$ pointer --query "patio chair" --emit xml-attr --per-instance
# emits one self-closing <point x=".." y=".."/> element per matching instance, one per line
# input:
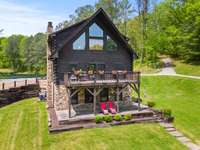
<point x="112" y="107"/>
<point x="103" y="108"/>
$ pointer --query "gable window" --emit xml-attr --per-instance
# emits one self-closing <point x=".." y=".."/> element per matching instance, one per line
<point x="110" y="44"/>
<point x="95" y="31"/>
<point x="96" y="44"/>
<point x="79" y="44"/>
<point x="95" y="37"/>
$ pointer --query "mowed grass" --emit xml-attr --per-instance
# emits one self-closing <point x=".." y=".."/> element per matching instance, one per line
<point x="6" y="73"/>
<point x="182" y="96"/>
<point x="23" y="126"/>
<point x="187" y="69"/>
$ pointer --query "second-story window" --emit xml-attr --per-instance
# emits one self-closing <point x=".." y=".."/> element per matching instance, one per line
<point x="95" y="37"/>
<point x="110" y="44"/>
<point x="79" y="44"/>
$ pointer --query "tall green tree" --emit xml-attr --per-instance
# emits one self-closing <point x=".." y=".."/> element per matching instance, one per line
<point x="126" y="10"/>
<point x="12" y="51"/>
<point x="111" y="7"/>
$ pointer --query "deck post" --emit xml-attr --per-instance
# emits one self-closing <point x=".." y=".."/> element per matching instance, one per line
<point x="95" y="99"/>
<point x="118" y="93"/>
<point x="139" y="106"/>
<point x="69" y="102"/>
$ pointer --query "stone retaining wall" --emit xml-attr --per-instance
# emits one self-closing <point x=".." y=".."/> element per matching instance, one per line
<point x="16" y="94"/>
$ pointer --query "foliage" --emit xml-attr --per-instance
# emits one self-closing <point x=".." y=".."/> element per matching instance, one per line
<point x="118" y="11"/>
<point x="151" y="103"/>
<point x="4" y="63"/>
<point x="128" y="117"/>
<point x="108" y="118"/>
<point x="22" y="53"/>
<point x="166" y="112"/>
<point x="99" y="119"/>
<point x="118" y="117"/>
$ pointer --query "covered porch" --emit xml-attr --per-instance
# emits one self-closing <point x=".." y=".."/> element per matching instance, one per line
<point x="116" y="84"/>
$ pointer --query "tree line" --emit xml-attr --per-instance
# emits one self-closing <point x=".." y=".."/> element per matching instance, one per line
<point x="24" y="53"/>
<point x="169" y="27"/>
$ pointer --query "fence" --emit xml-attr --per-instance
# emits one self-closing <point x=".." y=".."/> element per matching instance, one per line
<point x="4" y="85"/>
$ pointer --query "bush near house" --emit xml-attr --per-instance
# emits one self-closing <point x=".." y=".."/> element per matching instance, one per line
<point x="118" y="117"/>
<point x="151" y="103"/>
<point x="108" y="118"/>
<point x="99" y="119"/>
<point x="128" y="117"/>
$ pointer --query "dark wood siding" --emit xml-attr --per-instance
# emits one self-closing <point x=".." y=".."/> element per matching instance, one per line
<point x="120" y="59"/>
<point x="112" y="59"/>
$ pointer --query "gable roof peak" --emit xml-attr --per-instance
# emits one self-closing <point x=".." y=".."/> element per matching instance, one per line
<point x="77" y="28"/>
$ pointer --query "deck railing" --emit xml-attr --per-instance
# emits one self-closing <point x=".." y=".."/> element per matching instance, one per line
<point x="104" y="76"/>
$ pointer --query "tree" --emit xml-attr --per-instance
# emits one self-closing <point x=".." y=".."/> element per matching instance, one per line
<point x="126" y="10"/>
<point x="4" y="63"/>
<point x="12" y="51"/>
<point x="79" y="14"/>
<point x="111" y="7"/>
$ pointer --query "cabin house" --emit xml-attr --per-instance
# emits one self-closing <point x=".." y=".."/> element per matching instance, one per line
<point x="88" y="63"/>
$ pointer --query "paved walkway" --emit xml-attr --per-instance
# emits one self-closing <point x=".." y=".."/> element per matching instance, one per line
<point x="168" y="70"/>
<point x="179" y="136"/>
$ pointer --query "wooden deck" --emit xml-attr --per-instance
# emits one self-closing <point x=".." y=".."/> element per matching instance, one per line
<point x="107" y="79"/>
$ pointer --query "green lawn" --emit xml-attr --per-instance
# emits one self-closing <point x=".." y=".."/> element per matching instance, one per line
<point x="187" y="69"/>
<point x="144" y="68"/>
<point x="23" y="126"/>
<point x="182" y="95"/>
<point x="8" y="73"/>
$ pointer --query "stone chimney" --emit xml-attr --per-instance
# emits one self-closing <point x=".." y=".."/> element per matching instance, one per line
<point x="50" y="27"/>
<point x="50" y="85"/>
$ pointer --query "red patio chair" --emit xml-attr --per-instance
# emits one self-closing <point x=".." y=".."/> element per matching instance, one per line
<point x="111" y="107"/>
<point x="103" y="108"/>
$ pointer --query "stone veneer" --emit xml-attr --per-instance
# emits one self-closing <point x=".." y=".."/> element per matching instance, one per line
<point x="56" y="94"/>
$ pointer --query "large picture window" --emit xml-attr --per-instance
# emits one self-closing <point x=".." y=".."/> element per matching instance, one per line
<point x="94" y="38"/>
<point x="79" y="44"/>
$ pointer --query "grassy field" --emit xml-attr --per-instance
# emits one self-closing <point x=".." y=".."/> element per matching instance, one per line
<point x="179" y="94"/>
<point x="187" y="69"/>
<point x="8" y="73"/>
<point x="144" y="68"/>
<point x="23" y="126"/>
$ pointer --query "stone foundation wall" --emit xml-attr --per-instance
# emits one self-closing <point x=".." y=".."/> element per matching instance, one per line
<point x="60" y="98"/>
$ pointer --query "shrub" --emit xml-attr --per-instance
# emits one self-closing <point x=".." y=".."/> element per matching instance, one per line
<point x="99" y="119"/>
<point x="167" y="113"/>
<point x="151" y="103"/>
<point x="118" y="117"/>
<point x="127" y="117"/>
<point x="108" y="118"/>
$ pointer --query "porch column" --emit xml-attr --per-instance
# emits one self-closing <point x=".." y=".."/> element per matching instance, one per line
<point x="118" y="93"/>
<point x="69" y="102"/>
<point x="94" y="102"/>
